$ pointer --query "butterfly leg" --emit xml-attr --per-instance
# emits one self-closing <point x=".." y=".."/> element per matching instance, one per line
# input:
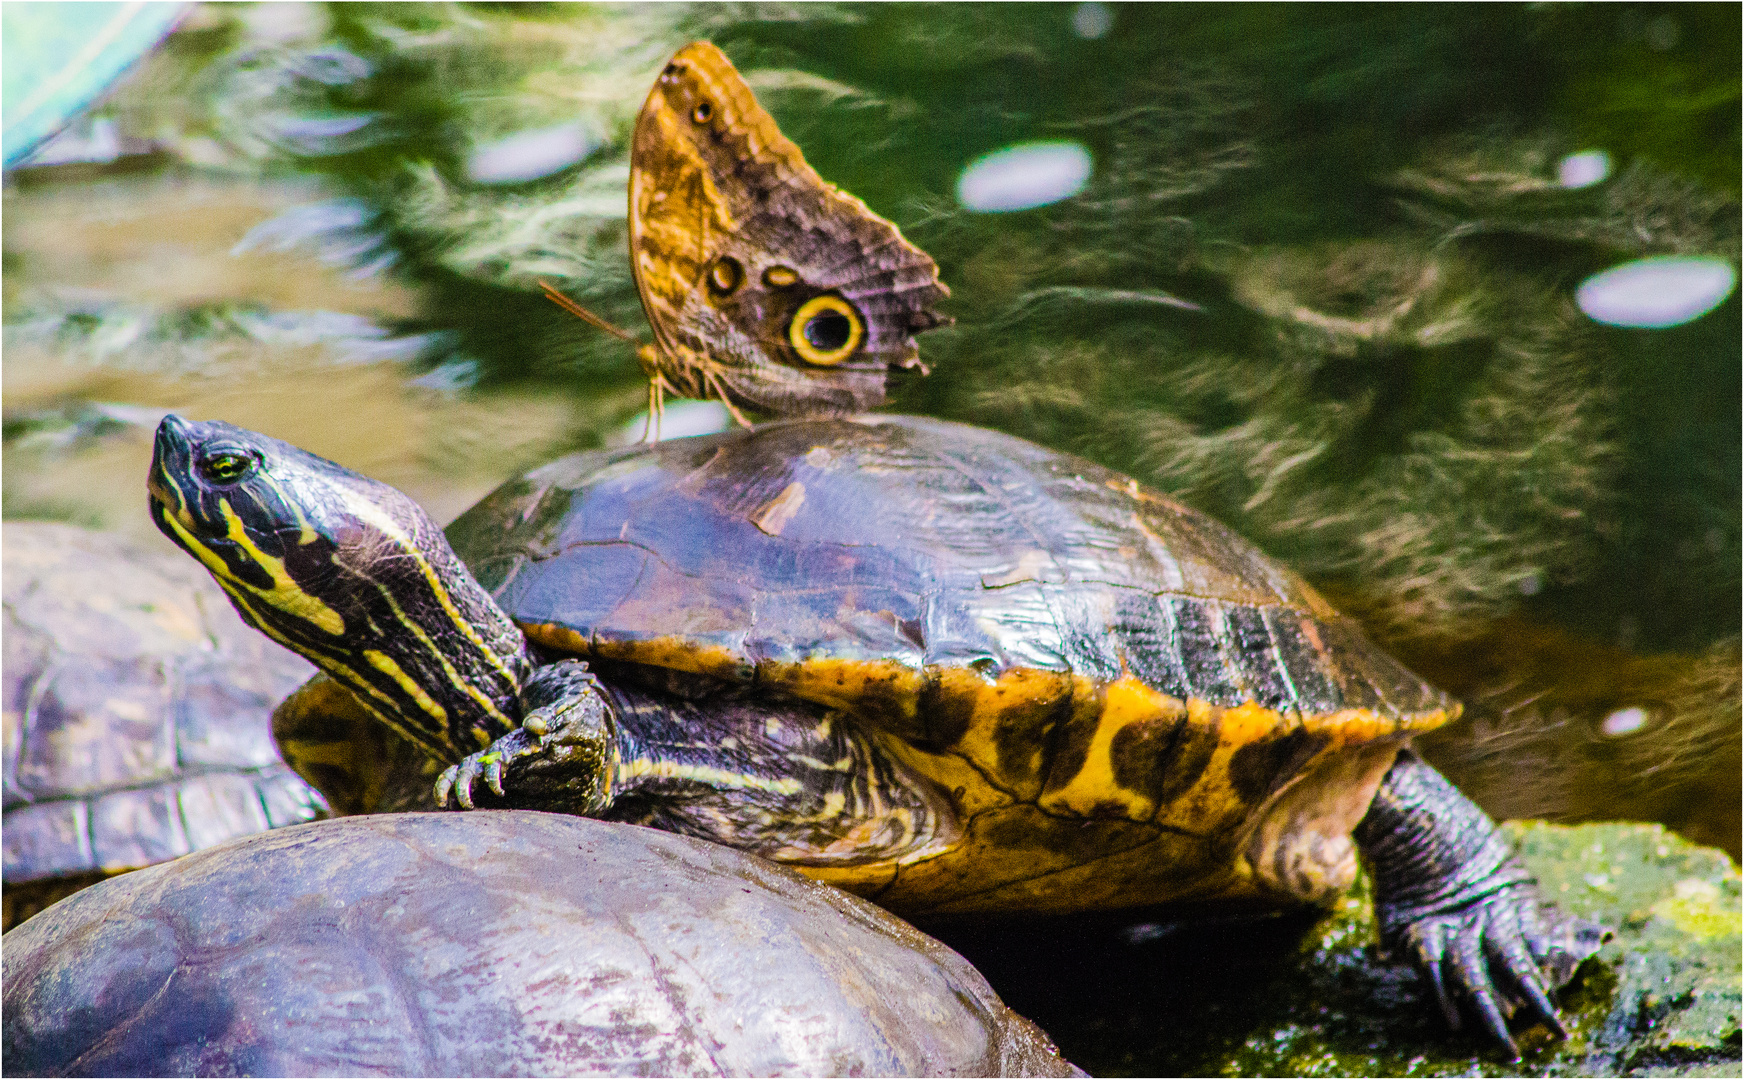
<point x="650" y="432"/>
<point x="715" y="385"/>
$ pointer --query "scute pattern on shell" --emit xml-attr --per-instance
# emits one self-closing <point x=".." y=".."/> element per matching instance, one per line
<point x="1112" y="687"/>
<point x="137" y="709"/>
<point x="493" y="944"/>
<point x="922" y="543"/>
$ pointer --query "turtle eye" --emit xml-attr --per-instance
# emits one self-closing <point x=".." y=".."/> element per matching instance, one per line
<point x="227" y="466"/>
<point x="826" y="330"/>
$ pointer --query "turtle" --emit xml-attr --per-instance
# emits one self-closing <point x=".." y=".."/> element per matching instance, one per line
<point x="137" y="714"/>
<point x="938" y="666"/>
<point x="502" y="943"/>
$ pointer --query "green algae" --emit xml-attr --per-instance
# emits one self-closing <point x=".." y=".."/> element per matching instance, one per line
<point x="1662" y="997"/>
<point x="1277" y="998"/>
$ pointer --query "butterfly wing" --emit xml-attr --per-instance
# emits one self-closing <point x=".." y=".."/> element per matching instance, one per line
<point x="756" y="275"/>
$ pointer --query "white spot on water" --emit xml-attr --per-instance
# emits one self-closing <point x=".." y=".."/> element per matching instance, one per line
<point x="1091" y="20"/>
<point x="1624" y="721"/>
<point x="1583" y="169"/>
<point x="528" y="155"/>
<point x="1024" y="176"/>
<point x="1139" y="933"/>
<point x="1657" y="292"/>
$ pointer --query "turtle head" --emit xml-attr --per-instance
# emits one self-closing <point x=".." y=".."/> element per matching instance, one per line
<point x="247" y="501"/>
<point x="347" y="571"/>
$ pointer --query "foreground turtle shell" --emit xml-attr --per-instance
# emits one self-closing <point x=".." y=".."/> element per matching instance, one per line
<point x="136" y="714"/>
<point x="492" y="944"/>
<point x="1126" y="702"/>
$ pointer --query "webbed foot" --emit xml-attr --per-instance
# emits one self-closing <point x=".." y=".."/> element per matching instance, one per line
<point x="558" y="759"/>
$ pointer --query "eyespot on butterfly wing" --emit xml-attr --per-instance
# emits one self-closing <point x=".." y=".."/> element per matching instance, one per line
<point x="733" y="236"/>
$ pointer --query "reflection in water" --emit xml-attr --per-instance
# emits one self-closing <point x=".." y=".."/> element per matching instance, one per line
<point x="1624" y="721"/>
<point x="528" y="155"/>
<point x="1583" y="169"/>
<point x="1657" y="292"/>
<point x="1091" y="20"/>
<point x="320" y="134"/>
<point x="230" y="300"/>
<point x="60" y="56"/>
<point x="1024" y="176"/>
<point x="95" y="140"/>
<point x="339" y="232"/>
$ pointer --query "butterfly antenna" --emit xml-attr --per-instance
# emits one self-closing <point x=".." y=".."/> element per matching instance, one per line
<point x="656" y="383"/>
<point x="583" y="314"/>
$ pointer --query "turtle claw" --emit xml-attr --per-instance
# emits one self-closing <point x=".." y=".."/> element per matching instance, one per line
<point x="445" y="784"/>
<point x="1429" y="942"/>
<point x="1473" y="976"/>
<point x="567" y="729"/>
<point x="1450" y="895"/>
<point x="458" y="780"/>
<point x="1501" y="938"/>
<point x="1509" y="952"/>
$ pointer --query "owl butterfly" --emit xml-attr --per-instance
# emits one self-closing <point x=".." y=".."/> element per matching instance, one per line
<point x="765" y="286"/>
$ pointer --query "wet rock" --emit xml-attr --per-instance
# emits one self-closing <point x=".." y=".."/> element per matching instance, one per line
<point x="1278" y="996"/>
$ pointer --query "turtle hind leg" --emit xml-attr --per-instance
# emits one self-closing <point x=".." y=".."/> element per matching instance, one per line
<point x="1450" y="894"/>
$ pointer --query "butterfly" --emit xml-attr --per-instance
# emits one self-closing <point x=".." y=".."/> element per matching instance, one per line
<point x="766" y="287"/>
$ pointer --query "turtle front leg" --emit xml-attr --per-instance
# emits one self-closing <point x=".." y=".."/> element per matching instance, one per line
<point x="1450" y="894"/>
<point x="788" y="780"/>
<point x="567" y="726"/>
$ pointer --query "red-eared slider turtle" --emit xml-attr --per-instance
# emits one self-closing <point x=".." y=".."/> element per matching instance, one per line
<point x="137" y="714"/>
<point x="492" y="944"/>
<point x="941" y="667"/>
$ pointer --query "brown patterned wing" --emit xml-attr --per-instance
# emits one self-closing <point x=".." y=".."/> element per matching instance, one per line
<point x="762" y="282"/>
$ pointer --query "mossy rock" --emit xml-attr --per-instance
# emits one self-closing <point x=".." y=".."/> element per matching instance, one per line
<point x="1284" y="996"/>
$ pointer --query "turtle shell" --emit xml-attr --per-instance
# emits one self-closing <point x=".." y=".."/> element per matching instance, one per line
<point x="137" y="714"/>
<point x="492" y="944"/>
<point x="1087" y="666"/>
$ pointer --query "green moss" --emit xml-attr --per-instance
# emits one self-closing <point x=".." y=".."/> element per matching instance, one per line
<point x="1274" y="997"/>
<point x="1663" y="994"/>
